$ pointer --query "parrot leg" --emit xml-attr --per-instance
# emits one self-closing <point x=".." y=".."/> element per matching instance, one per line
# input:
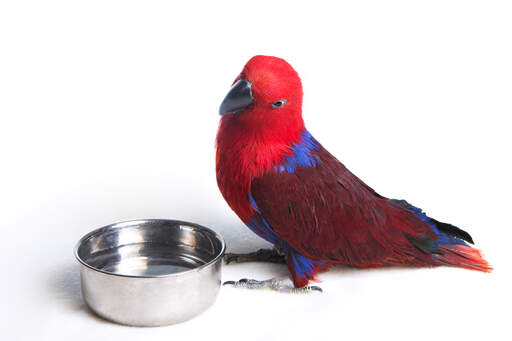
<point x="262" y="255"/>
<point x="279" y="284"/>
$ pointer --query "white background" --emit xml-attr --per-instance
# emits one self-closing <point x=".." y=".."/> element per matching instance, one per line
<point x="109" y="113"/>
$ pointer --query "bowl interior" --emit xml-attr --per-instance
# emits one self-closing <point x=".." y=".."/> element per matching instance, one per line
<point x="149" y="248"/>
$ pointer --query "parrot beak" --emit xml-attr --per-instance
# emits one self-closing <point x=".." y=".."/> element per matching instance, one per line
<point x="238" y="98"/>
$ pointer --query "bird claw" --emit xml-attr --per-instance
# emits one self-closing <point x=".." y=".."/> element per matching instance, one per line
<point x="276" y="284"/>
<point x="315" y="288"/>
<point x="262" y="255"/>
<point x="232" y="258"/>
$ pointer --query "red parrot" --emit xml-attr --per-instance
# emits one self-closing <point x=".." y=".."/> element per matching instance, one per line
<point x="292" y="192"/>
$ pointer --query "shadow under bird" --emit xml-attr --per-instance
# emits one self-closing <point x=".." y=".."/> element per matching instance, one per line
<point x="293" y="193"/>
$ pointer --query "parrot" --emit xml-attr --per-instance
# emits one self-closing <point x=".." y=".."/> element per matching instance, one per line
<point x="290" y="191"/>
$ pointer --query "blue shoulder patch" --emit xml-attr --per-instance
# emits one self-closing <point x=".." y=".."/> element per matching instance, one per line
<point x="301" y="154"/>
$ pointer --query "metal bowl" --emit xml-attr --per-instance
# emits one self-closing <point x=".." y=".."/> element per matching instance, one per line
<point x="150" y="272"/>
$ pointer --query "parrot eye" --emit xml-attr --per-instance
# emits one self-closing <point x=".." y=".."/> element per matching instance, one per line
<point x="278" y="104"/>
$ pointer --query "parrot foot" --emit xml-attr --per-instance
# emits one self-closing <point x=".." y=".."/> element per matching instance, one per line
<point x="279" y="284"/>
<point x="262" y="255"/>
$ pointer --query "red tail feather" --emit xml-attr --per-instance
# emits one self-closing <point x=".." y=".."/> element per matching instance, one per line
<point x="464" y="256"/>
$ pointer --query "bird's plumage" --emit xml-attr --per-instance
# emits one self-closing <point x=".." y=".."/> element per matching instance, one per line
<point x="293" y="193"/>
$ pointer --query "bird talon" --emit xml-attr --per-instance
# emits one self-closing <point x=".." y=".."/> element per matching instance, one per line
<point x="261" y="255"/>
<point x="315" y="288"/>
<point x="281" y="285"/>
<point x="229" y="257"/>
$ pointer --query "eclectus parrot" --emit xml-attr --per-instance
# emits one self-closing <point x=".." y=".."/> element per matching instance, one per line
<point x="293" y="193"/>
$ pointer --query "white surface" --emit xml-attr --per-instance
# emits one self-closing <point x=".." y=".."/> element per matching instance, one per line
<point x="109" y="113"/>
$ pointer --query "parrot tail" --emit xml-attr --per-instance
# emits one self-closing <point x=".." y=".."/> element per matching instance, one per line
<point x="463" y="256"/>
<point x="453" y="249"/>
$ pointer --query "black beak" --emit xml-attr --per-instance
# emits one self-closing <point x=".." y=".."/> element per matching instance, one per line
<point x="238" y="98"/>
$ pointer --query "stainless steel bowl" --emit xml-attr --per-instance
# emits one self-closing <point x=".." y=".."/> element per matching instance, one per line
<point x="150" y="272"/>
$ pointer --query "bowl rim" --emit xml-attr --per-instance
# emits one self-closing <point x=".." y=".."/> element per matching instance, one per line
<point x="126" y="223"/>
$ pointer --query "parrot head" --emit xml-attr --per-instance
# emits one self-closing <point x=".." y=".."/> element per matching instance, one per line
<point x="267" y="94"/>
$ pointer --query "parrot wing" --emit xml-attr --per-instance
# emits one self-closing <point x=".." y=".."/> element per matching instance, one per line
<point x="327" y="213"/>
